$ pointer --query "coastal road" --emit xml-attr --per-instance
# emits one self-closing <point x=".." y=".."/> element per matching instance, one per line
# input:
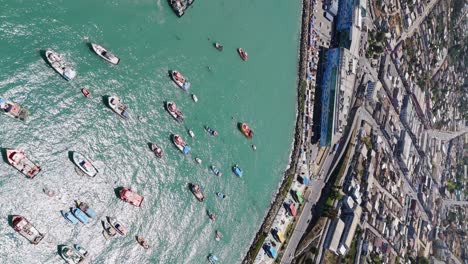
<point x="303" y="221"/>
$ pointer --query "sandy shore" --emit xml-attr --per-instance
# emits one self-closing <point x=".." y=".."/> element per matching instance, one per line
<point x="290" y="173"/>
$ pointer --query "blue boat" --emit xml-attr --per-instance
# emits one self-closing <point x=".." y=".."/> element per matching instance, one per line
<point x="70" y="217"/>
<point x="237" y="170"/>
<point x="271" y="251"/>
<point x="213" y="259"/>
<point x="86" y="209"/>
<point x="80" y="215"/>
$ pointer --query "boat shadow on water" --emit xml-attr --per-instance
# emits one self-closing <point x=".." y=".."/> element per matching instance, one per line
<point x="4" y="154"/>
<point x="105" y="100"/>
<point x="42" y="53"/>
<point x="70" y="156"/>
<point x="10" y="220"/>
<point x="117" y="191"/>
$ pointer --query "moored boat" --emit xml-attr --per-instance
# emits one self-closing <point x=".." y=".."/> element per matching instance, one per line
<point x="180" y="80"/>
<point x="105" y="54"/>
<point x="180" y="144"/>
<point x="80" y="215"/>
<point x="195" y="98"/>
<point x="86" y="209"/>
<point x="244" y="56"/>
<point x="211" y="131"/>
<point x="157" y="150"/>
<point x="218" y="235"/>
<point x="143" y="242"/>
<point x="216" y="171"/>
<point x="26" y="229"/>
<point x="131" y="197"/>
<point x="118" y="107"/>
<point x="70" y="255"/>
<point x="197" y="192"/>
<point x="70" y="217"/>
<point x="108" y="231"/>
<point x="213" y="259"/>
<point x="172" y="109"/>
<point x="245" y="129"/>
<point x="218" y="46"/>
<point x="86" y="93"/>
<point x="12" y="109"/>
<point x="237" y="170"/>
<point x="59" y="65"/>
<point x="18" y="159"/>
<point x="84" y="164"/>
<point x="117" y="225"/>
<point x="81" y="250"/>
<point x="190" y="132"/>
<point x="198" y="160"/>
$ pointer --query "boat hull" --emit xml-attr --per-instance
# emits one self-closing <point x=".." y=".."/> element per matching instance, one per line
<point x="176" y="114"/>
<point x="27" y="230"/>
<point x="197" y="193"/>
<point x="182" y="85"/>
<point x="57" y="63"/>
<point x="13" y="110"/>
<point x="154" y="148"/>
<point x="116" y="105"/>
<point x="100" y="51"/>
<point x="84" y="164"/>
<point x="70" y="255"/>
<point x="131" y="197"/>
<point x="117" y="225"/>
<point x="70" y="217"/>
<point x="19" y="161"/>
<point x="183" y="147"/>
<point x="80" y="215"/>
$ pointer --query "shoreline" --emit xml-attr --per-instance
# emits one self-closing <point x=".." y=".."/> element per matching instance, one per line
<point x="290" y="171"/>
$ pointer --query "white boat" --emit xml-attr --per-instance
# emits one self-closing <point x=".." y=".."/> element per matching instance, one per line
<point x="84" y="164"/>
<point x="198" y="160"/>
<point x="19" y="160"/>
<point x="12" y="109"/>
<point x="105" y="54"/>
<point x="180" y="144"/>
<point x="117" y="225"/>
<point x="26" y="229"/>
<point x="191" y="133"/>
<point x="118" y="107"/>
<point x="195" y="98"/>
<point x="59" y="65"/>
<point x="70" y="255"/>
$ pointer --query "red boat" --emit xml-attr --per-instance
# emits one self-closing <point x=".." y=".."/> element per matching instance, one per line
<point x="246" y="130"/>
<point x="131" y="197"/>
<point x="18" y="159"/>
<point x="244" y="56"/>
<point x="86" y="92"/>
<point x="26" y="229"/>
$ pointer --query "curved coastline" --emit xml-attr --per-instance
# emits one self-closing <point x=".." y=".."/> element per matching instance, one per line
<point x="290" y="171"/>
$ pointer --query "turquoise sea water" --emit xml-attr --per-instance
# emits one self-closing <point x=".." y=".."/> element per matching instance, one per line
<point x="150" y="40"/>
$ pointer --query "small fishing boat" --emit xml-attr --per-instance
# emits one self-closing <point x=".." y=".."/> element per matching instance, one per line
<point x="84" y="164"/>
<point x="86" y="93"/>
<point x="211" y="131"/>
<point x="220" y="195"/>
<point x="180" y="144"/>
<point x="118" y="107"/>
<point x="59" y="65"/>
<point x="49" y="192"/>
<point x="254" y="147"/>
<point x="86" y="209"/>
<point x="80" y="215"/>
<point x="195" y="98"/>
<point x="212" y="216"/>
<point x="174" y="112"/>
<point x="218" y="235"/>
<point x="190" y="132"/>
<point x="70" y="255"/>
<point x="197" y="192"/>
<point x="131" y="197"/>
<point x="244" y="56"/>
<point x="26" y="229"/>
<point x="70" y="217"/>
<point x="18" y="159"/>
<point x="105" y="54"/>
<point x="117" y="225"/>
<point x="218" y="46"/>
<point x="237" y="170"/>
<point x="212" y="259"/>
<point x="180" y="80"/>
<point x="216" y="171"/>
<point x="108" y="231"/>
<point x="198" y="160"/>
<point x="12" y="109"/>
<point x="245" y="129"/>
<point x="81" y="250"/>
<point x="157" y="150"/>
<point x="143" y="242"/>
